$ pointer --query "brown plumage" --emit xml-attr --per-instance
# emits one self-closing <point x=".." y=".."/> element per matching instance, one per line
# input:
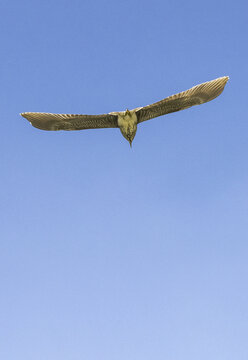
<point x="127" y="120"/>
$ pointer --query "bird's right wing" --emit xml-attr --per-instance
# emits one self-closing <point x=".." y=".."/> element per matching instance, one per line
<point x="197" y="95"/>
<point x="49" y="121"/>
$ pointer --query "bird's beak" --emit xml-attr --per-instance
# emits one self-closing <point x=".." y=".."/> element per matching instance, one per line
<point x="130" y="142"/>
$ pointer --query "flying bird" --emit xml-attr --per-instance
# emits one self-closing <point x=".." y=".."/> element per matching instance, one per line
<point x="128" y="120"/>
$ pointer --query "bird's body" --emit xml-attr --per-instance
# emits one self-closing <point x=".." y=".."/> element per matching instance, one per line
<point x="128" y="120"/>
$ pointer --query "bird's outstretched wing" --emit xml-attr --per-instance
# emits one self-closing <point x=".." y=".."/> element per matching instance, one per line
<point x="48" y="121"/>
<point x="197" y="95"/>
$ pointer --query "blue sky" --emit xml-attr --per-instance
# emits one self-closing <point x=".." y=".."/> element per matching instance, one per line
<point x="108" y="252"/>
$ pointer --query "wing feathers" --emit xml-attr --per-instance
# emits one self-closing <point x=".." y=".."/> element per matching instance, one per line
<point x="197" y="95"/>
<point x="48" y="121"/>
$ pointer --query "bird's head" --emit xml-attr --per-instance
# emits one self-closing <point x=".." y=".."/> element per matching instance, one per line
<point x="129" y="132"/>
<point x="127" y="122"/>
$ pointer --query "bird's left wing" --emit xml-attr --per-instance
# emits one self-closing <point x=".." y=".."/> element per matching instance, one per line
<point x="197" y="95"/>
<point x="49" y="121"/>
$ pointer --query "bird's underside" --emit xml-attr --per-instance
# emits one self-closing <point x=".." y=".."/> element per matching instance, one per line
<point x="127" y="120"/>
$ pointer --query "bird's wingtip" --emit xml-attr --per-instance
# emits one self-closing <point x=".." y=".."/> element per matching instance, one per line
<point x="225" y="78"/>
<point x="222" y="81"/>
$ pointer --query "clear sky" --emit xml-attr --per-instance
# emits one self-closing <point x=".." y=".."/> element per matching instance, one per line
<point x="107" y="252"/>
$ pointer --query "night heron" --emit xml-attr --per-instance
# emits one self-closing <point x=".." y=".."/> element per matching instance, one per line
<point x="128" y="120"/>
